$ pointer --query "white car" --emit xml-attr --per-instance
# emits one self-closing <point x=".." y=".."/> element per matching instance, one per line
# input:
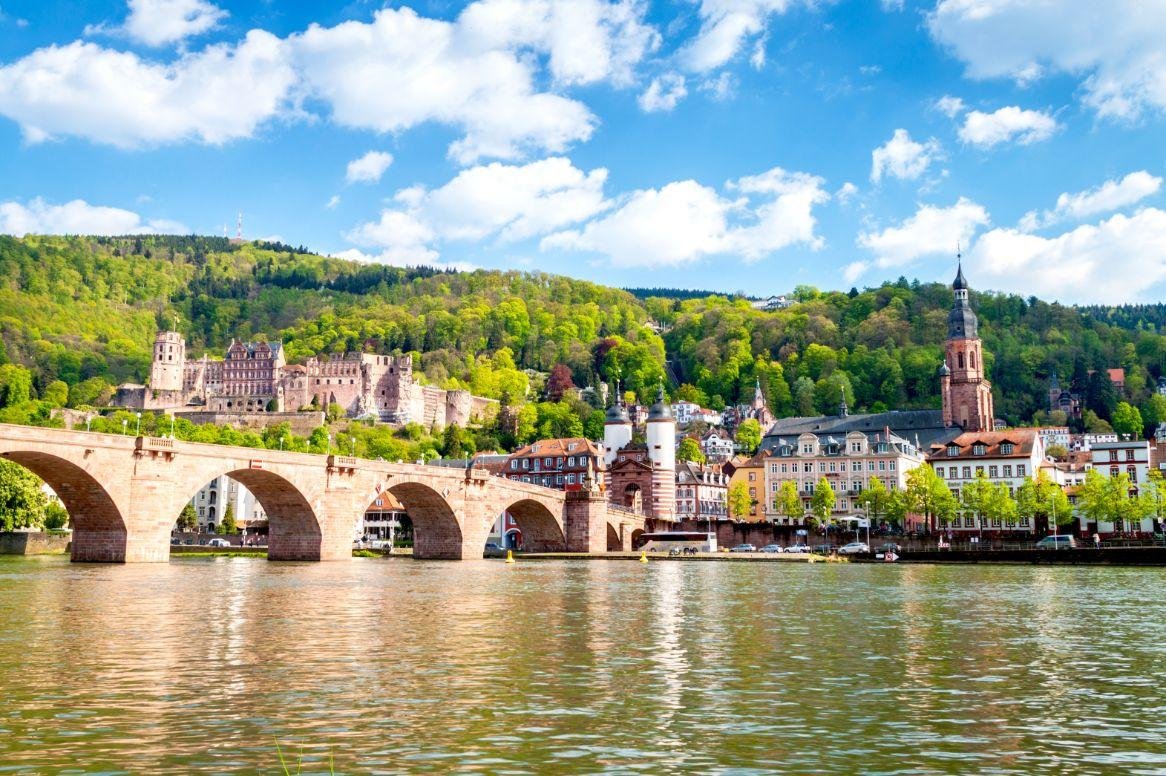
<point x="796" y="548"/>
<point x="218" y="542"/>
<point x="854" y="548"/>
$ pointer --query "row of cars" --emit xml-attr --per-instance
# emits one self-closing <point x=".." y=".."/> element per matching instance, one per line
<point x="853" y="548"/>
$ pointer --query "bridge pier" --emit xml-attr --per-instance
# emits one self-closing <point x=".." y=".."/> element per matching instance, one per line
<point x="585" y="521"/>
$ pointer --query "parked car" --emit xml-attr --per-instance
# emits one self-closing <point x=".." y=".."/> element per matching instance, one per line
<point x="796" y="548"/>
<point x="854" y="548"/>
<point x="218" y="542"/>
<point x="493" y="550"/>
<point x="743" y="548"/>
<point x="823" y="549"/>
<point x="1058" y="542"/>
<point x="890" y="547"/>
<point x="771" y="548"/>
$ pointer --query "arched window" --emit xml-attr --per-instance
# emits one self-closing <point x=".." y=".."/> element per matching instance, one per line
<point x="961" y="357"/>
<point x="972" y="359"/>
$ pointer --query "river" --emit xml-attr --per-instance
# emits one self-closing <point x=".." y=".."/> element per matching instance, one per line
<point x="392" y="665"/>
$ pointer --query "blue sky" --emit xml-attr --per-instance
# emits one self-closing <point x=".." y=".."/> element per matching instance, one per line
<point x="723" y="144"/>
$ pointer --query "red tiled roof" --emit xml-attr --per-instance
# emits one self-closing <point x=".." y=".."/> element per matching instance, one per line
<point x="1022" y="440"/>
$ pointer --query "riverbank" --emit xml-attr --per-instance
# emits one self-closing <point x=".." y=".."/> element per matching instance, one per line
<point x="1077" y="556"/>
<point x="740" y="557"/>
<point x="33" y="543"/>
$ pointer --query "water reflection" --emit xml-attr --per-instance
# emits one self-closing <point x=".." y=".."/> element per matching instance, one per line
<point x="393" y="665"/>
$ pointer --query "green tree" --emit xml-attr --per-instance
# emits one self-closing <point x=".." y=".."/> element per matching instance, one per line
<point x="228" y="527"/>
<point x="803" y="396"/>
<point x="15" y="385"/>
<point x="453" y="442"/>
<point x="57" y="393"/>
<point x="977" y="497"/>
<point x="1041" y="497"/>
<point x="787" y="502"/>
<point x="689" y="450"/>
<point x="56" y="517"/>
<point x="187" y="519"/>
<point x="740" y="503"/>
<point x="1127" y="420"/>
<point x="748" y="436"/>
<point x="22" y="502"/>
<point x="928" y="495"/>
<point x="875" y="500"/>
<point x="822" y="502"/>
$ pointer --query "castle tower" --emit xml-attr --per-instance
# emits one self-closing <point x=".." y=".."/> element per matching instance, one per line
<point x="967" y="396"/>
<point x="662" y="455"/>
<point x="168" y="363"/>
<point x="617" y="431"/>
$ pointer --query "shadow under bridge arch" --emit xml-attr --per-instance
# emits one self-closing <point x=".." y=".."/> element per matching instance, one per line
<point x="542" y="530"/>
<point x="293" y="528"/>
<point x="99" y="528"/>
<point x="437" y="532"/>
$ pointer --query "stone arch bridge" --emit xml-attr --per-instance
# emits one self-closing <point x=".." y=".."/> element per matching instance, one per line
<point x="124" y="495"/>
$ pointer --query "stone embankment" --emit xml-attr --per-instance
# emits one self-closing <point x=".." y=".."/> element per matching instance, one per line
<point x="33" y="543"/>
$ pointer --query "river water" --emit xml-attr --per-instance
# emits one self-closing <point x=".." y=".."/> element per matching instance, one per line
<point x="393" y="665"/>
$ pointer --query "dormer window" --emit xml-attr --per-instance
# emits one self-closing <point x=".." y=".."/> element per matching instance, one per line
<point x="1006" y="448"/>
<point x="979" y="448"/>
<point x="953" y="451"/>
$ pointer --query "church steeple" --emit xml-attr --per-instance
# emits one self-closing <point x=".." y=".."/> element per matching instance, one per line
<point x="967" y="395"/>
<point x="961" y="321"/>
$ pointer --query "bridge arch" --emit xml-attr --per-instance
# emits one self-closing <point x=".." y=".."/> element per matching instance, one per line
<point x="542" y="530"/>
<point x="437" y="532"/>
<point x="99" y="528"/>
<point x="613" y="543"/>
<point x="293" y="527"/>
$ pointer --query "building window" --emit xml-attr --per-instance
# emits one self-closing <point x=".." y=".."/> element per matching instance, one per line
<point x="969" y="522"/>
<point x="1132" y="471"/>
<point x="993" y="471"/>
<point x="1007" y="470"/>
<point x="882" y="466"/>
<point x="1129" y="455"/>
<point x="953" y="451"/>
<point x="807" y="467"/>
<point x="1020" y="470"/>
<point x="1006" y="448"/>
<point x="967" y="472"/>
<point x="979" y="449"/>
<point x="752" y="476"/>
<point x="514" y="464"/>
<point x="821" y="466"/>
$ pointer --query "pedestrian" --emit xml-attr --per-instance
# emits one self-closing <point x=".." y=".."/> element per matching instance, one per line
<point x="1096" y="540"/>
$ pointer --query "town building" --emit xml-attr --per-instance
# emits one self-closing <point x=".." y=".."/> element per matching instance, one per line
<point x="848" y="462"/>
<point x="701" y="492"/>
<point x="641" y="473"/>
<point x="254" y="377"/>
<point x="717" y="445"/>
<point x="566" y="464"/>
<point x="966" y="393"/>
<point x="1130" y="457"/>
<point x="211" y="501"/>
<point x="750" y="472"/>
<point x="757" y="409"/>
<point x="1008" y="457"/>
<point x="1055" y="435"/>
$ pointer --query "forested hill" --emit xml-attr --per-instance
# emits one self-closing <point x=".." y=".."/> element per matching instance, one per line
<point x="84" y="310"/>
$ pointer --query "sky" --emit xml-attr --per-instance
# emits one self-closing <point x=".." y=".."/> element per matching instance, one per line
<point x="727" y="145"/>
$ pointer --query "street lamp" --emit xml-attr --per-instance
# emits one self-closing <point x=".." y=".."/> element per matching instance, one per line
<point x="125" y="422"/>
<point x="138" y="424"/>
<point x="88" y="420"/>
<point x="353" y="440"/>
<point x="171" y="425"/>
<point x="329" y="443"/>
<point x="281" y="443"/>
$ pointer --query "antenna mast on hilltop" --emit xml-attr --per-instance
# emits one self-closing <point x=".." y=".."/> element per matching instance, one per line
<point x="239" y="227"/>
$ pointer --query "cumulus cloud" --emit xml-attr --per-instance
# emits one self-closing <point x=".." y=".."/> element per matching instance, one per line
<point x="485" y="74"/>
<point x="902" y="157"/>
<point x="158" y="22"/>
<point x="1115" y="261"/>
<point x="685" y="221"/>
<point x="1109" y="196"/>
<point x="219" y="94"/>
<point x="77" y="217"/>
<point x="333" y="202"/>
<point x="498" y="202"/>
<point x="949" y="106"/>
<point x="1007" y="124"/>
<point x="726" y="26"/>
<point x="368" y="168"/>
<point x="1116" y="48"/>
<point x="931" y="231"/>
<point x="846" y="192"/>
<point x="663" y="93"/>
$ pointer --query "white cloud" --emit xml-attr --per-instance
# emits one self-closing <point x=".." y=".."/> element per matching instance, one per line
<point x="485" y="74"/>
<point x="495" y="201"/>
<point x="333" y="202"/>
<point x="1007" y="124"/>
<point x="77" y="217"/>
<point x="1111" y="195"/>
<point x="892" y="5"/>
<point x="902" y="157"/>
<point x="221" y="93"/>
<point x="726" y="26"/>
<point x="1115" y="261"/>
<point x="722" y="88"/>
<point x="158" y="22"/>
<point x="931" y="231"/>
<point x="1116" y="47"/>
<point x="368" y="168"/>
<point x="402" y="70"/>
<point x="846" y="192"/>
<point x="685" y="221"/>
<point x="854" y="270"/>
<point x="949" y="106"/>
<point x="663" y="93"/>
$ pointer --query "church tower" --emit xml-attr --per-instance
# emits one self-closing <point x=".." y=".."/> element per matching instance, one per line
<point x="967" y="396"/>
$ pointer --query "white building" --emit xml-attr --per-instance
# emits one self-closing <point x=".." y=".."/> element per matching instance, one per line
<point x="1054" y="435"/>
<point x="210" y="504"/>
<point x="717" y="445"/>
<point x="1008" y="457"/>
